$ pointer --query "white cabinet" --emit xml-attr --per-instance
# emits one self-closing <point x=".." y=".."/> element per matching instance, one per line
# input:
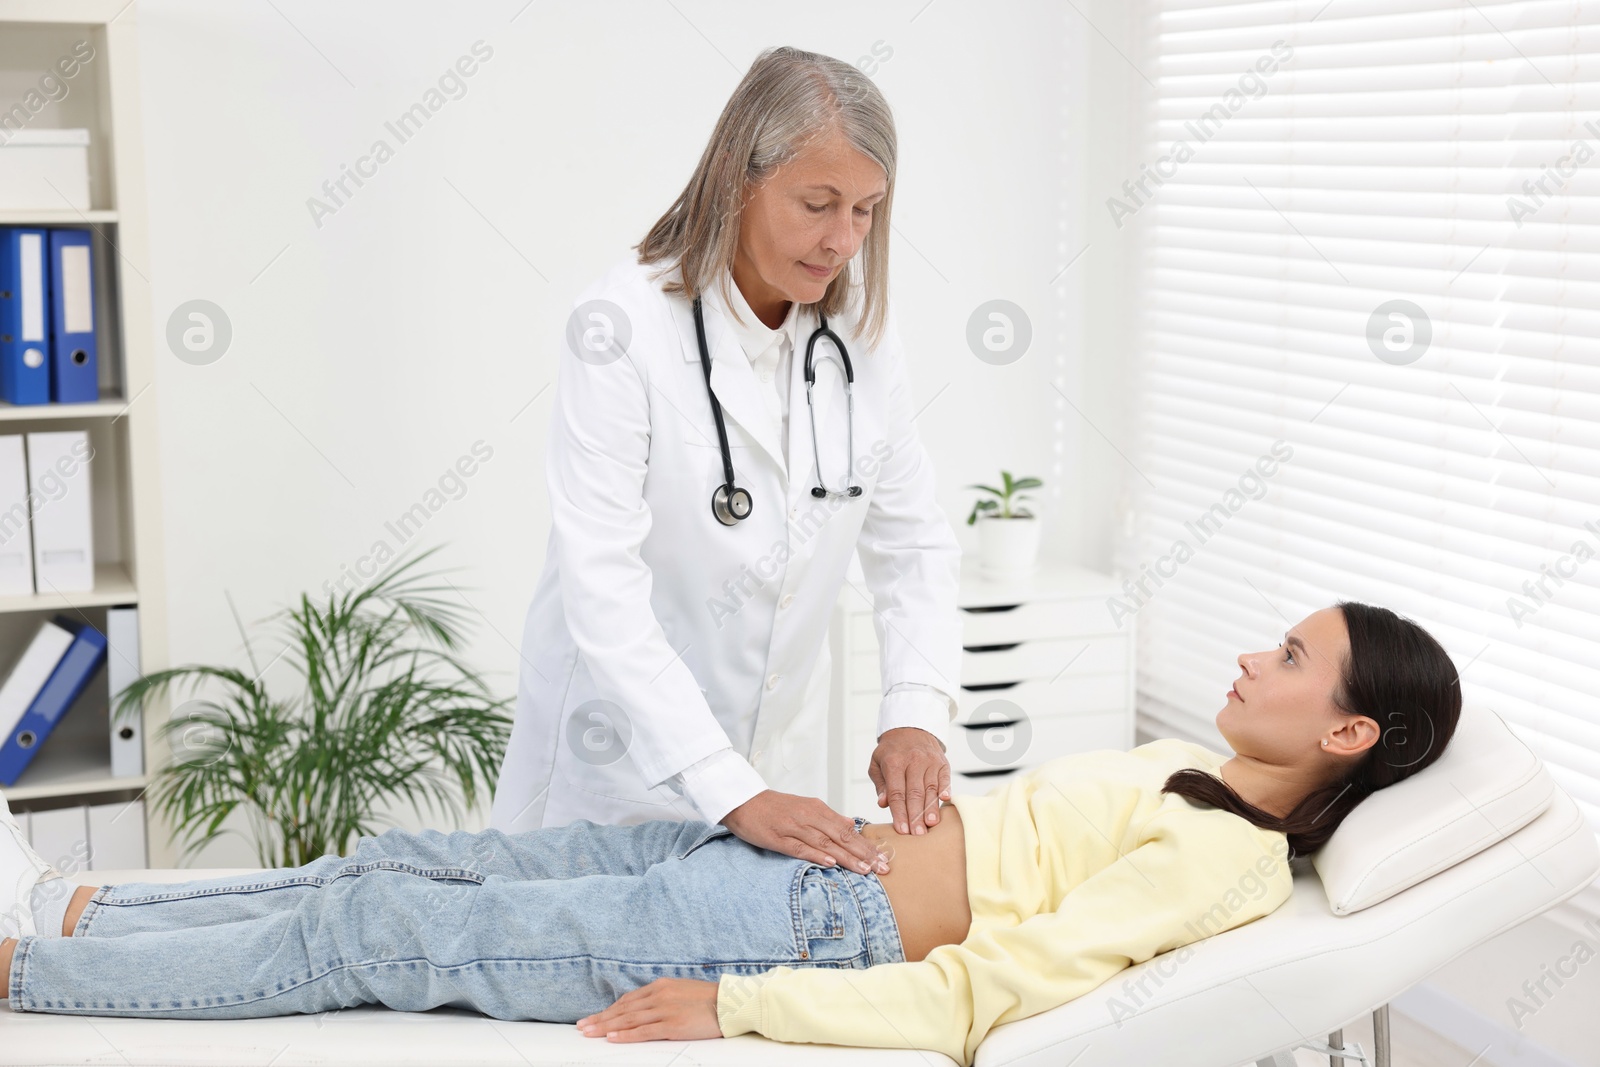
<point x="1045" y="672"/>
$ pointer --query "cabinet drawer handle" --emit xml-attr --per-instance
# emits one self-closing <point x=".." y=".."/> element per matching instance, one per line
<point x="993" y="608"/>
<point x="987" y="686"/>
<point x="986" y="774"/>
<point x="990" y="648"/>
<point x="989" y="725"/>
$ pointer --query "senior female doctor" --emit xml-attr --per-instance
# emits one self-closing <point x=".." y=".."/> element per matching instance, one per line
<point x="674" y="659"/>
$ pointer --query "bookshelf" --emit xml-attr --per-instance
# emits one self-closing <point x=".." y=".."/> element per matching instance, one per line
<point x="73" y="767"/>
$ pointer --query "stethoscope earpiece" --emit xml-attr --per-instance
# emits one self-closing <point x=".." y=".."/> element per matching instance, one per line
<point x="729" y="503"/>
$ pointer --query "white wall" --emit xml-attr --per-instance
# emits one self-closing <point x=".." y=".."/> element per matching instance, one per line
<point x="372" y="350"/>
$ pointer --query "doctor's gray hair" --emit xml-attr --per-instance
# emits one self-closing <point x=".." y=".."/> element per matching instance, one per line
<point x="787" y="99"/>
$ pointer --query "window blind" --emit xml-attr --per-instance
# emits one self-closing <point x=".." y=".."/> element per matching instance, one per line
<point x="1368" y="347"/>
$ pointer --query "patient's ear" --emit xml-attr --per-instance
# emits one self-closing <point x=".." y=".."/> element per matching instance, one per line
<point x="1353" y="736"/>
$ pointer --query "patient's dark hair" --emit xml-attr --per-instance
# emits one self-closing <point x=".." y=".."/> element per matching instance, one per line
<point x="1397" y="674"/>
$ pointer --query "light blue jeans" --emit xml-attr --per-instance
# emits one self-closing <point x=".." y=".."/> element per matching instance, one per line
<point x="550" y="924"/>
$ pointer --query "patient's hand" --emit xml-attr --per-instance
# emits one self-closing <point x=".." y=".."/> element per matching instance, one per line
<point x="668" y="1009"/>
<point x="912" y="775"/>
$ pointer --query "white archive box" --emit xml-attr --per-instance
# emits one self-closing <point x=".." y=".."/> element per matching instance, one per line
<point x="44" y="170"/>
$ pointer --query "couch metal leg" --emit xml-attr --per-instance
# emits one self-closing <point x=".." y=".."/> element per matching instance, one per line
<point x="1380" y="1035"/>
<point x="1336" y="1051"/>
<point x="1339" y="1054"/>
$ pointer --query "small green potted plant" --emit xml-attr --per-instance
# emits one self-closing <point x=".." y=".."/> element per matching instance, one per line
<point x="1008" y="537"/>
<point x="383" y="710"/>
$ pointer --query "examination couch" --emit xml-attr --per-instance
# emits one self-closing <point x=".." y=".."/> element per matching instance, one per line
<point x="1417" y="875"/>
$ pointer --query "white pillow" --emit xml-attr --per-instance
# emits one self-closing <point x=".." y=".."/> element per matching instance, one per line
<point x="1486" y="786"/>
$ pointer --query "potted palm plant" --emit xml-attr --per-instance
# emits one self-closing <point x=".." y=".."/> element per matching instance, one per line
<point x="384" y="710"/>
<point x="1008" y="537"/>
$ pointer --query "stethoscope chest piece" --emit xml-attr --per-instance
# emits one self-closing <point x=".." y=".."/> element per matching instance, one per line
<point x="730" y="504"/>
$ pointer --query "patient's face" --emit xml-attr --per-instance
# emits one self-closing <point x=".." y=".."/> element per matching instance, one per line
<point x="1285" y="702"/>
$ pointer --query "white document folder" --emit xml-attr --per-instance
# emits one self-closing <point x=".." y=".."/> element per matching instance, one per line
<point x="61" y="836"/>
<point x="16" y="540"/>
<point x="122" y="670"/>
<point x="59" y="484"/>
<point x="116" y="836"/>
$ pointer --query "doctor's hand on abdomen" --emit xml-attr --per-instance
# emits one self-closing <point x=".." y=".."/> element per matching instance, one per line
<point x="912" y="775"/>
<point x="805" y="828"/>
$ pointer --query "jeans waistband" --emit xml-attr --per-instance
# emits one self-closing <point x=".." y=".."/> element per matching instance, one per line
<point x="878" y="926"/>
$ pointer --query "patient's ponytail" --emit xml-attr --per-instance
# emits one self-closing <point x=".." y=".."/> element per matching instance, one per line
<point x="1398" y="675"/>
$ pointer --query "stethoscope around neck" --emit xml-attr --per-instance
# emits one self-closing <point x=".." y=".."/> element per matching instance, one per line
<point x="729" y="503"/>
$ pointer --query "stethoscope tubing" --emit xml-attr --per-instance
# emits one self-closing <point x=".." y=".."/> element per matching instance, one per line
<point x="730" y="503"/>
<point x="716" y="408"/>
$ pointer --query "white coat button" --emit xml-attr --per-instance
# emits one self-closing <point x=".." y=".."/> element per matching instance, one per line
<point x="766" y="376"/>
<point x="788" y="599"/>
<point x="772" y="682"/>
<point x="755" y="760"/>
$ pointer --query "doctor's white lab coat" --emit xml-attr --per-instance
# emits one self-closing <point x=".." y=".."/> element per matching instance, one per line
<point x="658" y="637"/>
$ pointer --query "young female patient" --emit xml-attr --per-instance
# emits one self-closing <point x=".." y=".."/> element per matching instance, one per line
<point x="1012" y="903"/>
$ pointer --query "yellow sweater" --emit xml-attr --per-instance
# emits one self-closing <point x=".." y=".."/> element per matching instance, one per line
<point x="1076" y="870"/>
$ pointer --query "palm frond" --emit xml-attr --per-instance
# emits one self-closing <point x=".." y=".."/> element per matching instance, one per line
<point x="384" y="711"/>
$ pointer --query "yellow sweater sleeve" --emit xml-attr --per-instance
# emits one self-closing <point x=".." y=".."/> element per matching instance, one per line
<point x="1183" y="882"/>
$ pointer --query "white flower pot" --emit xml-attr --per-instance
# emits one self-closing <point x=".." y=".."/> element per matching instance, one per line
<point x="1008" y="547"/>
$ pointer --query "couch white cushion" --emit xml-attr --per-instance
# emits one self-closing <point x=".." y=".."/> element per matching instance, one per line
<point x="1486" y="786"/>
<point x="1229" y="999"/>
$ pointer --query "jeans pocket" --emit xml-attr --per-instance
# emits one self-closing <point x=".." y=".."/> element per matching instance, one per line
<point x="816" y="908"/>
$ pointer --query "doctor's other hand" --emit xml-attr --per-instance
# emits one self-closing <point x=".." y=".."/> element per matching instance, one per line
<point x="805" y="828"/>
<point x="912" y="775"/>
